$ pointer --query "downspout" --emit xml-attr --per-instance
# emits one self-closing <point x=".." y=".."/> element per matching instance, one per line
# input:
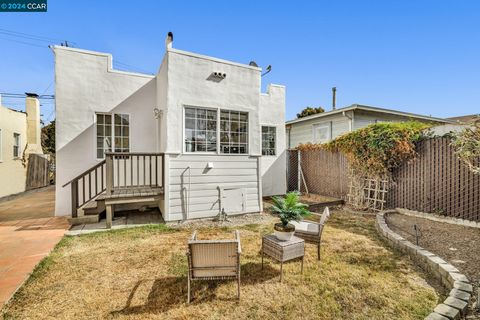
<point x="288" y="127"/>
<point x="350" y="122"/>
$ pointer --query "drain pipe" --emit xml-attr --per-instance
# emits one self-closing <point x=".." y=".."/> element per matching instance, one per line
<point x="350" y="123"/>
<point x="187" y="193"/>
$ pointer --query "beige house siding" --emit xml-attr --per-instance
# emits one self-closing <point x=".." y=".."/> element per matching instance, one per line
<point x="364" y="118"/>
<point x="12" y="170"/>
<point x="302" y="132"/>
<point x="340" y="123"/>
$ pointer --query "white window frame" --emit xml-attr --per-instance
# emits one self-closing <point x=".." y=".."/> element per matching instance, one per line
<point x="19" y="151"/>
<point x="112" y="114"/>
<point x="217" y="152"/>
<point x="317" y="126"/>
<point x="275" y="140"/>
<point x="217" y="110"/>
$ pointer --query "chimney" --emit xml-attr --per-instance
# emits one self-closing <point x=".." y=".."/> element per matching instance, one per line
<point x="169" y="40"/>
<point x="334" y="98"/>
<point x="32" y="107"/>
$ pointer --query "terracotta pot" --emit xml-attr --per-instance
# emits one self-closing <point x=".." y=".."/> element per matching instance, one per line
<point x="284" y="233"/>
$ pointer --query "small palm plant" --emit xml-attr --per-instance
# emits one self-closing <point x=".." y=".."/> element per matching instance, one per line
<point x="288" y="209"/>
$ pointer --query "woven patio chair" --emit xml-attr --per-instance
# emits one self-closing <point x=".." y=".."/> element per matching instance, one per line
<point x="214" y="260"/>
<point x="310" y="231"/>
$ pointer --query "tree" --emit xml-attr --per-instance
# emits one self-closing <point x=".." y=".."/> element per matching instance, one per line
<point x="48" y="138"/>
<point x="309" y="111"/>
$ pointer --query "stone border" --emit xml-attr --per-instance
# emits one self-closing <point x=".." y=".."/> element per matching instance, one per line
<point x="450" y="277"/>
<point x="436" y="217"/>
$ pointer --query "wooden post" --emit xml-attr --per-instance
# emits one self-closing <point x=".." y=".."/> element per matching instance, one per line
<point x="109" y="217"/>
<point x="74" y="192"/>
<point x="109" y="168"/>
<point x="163" y="171"/>
<point x="299" y="168"/>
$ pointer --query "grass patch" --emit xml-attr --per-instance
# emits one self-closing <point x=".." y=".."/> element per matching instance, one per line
<point x="140" y="273"/>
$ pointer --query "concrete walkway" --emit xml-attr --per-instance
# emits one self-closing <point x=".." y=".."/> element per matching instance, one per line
<point x="122" y="220"/>
<point x="28" y="232"/>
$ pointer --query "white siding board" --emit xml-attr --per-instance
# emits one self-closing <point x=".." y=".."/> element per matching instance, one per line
<point x="215" y="171"/>
<point x="210" y="179"/>
<point x="202" y="186"/>
<point x="174" y="195"/>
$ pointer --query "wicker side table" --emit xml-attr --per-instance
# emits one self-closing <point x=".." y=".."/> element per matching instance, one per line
<point x="283" y="251"/>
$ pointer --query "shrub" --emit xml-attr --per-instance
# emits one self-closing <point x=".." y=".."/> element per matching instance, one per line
<point x="379" y="148"/>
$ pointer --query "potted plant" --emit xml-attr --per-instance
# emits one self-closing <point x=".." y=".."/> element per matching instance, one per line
<point x="288" y="209"/>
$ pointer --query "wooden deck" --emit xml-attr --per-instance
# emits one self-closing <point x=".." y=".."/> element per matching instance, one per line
<point x="132" y="192"/>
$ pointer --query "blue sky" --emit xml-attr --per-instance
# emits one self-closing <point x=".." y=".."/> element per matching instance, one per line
<point x="415" y="56"/>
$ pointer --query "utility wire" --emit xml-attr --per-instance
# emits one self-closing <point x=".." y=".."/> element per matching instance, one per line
<point x="31" y="36"/>
<point x="26" y="43"/>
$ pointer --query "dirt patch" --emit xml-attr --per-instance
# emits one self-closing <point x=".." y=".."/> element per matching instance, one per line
<point x="456" y="244"/>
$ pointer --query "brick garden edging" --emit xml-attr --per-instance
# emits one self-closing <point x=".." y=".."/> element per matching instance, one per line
<point x="450" y="277"/>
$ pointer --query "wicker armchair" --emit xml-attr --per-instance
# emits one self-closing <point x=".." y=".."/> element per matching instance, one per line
<point x="214" y="260"/>
<point x="311" y="232"/>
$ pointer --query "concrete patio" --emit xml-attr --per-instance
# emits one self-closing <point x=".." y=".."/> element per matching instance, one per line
<point x="122" y="220"/>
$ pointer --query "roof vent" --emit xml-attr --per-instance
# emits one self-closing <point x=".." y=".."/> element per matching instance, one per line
<point x="217" y="76"/>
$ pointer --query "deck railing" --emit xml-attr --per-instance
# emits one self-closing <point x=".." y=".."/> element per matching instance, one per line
<point x="134" y="170"/>
<point x="118" y="170"/>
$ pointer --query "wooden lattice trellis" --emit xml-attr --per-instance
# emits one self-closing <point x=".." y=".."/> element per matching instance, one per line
<point x="367" y="193"/>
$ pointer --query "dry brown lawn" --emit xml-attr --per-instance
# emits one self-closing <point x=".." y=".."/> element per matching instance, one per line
<point x="141" y="274"/>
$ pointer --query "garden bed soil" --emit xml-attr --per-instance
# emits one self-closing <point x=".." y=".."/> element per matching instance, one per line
<point x="454" y="243"/>
<point x="315" y="202"/>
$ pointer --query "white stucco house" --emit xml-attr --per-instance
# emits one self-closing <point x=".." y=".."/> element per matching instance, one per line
<point x="200" y="129"/>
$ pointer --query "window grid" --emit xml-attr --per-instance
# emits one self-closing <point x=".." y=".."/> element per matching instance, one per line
<point x="200" y="130"/>
<point x="269" y="141"/>
<point x="233" y="132"/>
<point x="121" y="134"/>
<point x="16" y="145"/>
<point x="104" y="134"/>
<point x="113" y="133"/>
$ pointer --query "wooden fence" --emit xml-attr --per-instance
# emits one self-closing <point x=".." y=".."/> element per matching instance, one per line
<point x="436" y="181"/>
<point x="325" y="173"/>
<point x="37" y="172"/>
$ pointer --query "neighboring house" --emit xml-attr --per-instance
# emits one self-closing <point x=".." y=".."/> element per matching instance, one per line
<point x="467" y="119"/>
<point x="19" y="137"/>
<point x="222" y="140"/>
<point x="326" y="126"/>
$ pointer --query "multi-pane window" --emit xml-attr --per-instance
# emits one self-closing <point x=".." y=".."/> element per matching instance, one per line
<point x="200" y="130"/>
<point x="233" y="132"/>
<point x="269" y="141"/>
<point x="321" y="133"/>
<point x="122" y="128"/>
<point x="16" y="145"/>
<point x="112" y="133"/>
<point x="104" y="134"/>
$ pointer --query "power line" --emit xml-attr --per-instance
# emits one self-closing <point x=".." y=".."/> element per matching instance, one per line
<point x="31" y="36"/>
<point x="23" y="95"/>
<point x="26" y="43"/>
<point x="119" y="63"/>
